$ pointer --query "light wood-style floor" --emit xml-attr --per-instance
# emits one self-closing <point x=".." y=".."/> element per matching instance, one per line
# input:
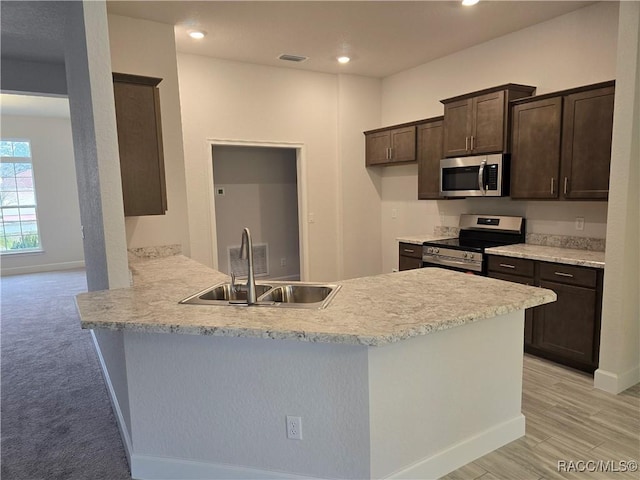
<point x="567" y="420"/>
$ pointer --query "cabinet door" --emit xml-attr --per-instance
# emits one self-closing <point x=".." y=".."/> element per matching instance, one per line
<point x="488" y="123"/>
<point x="403" y="144"/>
<point x="377" y="147"/>
<point x="529" y="312"/>
<point x="566" y="328"/>
<point x="457" y="127"/>
<point x="535" y="157"/>
<point x="140" y="147"/>
<point x="586" y="143"/>
<point x="429" y="155"/>
<point x="409" y="263"/>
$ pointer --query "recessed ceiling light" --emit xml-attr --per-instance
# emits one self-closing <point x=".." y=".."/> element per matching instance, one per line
<point x="344" y="59"/>
<point x="197" y="34"/>
<point x="468" y="3"/>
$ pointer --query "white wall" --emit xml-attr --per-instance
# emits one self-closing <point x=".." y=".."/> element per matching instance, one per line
<point x="95" y="143"/>
<point x="260" y="192"/>
<point x="620" y="340"/>
<point x="575" y="49"/>
<point x="227" y="100"/>
<point x="56" y="194"/>
<point x="360" y="187"/>
<point x="148" y="48"/>
<point x="19" y="75"/>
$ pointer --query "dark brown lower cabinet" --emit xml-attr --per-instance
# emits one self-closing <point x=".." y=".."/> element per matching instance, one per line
<point x="568" y="330"/>
<point x="409" y="256"/>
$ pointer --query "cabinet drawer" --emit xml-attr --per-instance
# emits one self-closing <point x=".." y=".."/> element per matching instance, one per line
<point x="410" y="250"/>
<point x="512" y="266"/>
<point x="568" y="274"/>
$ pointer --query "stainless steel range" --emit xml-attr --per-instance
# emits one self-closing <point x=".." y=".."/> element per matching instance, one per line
<point x="477" y="232"/>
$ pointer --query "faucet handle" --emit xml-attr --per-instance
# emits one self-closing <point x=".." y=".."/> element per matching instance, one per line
<point x="234" y="289"/>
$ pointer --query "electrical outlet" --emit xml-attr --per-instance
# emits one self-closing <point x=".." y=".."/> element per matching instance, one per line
<point x="283" y="262"/>
<point x="394" y="213"/>
<point x="312" y="218"/>
<point x="579" y="223"/>
<point x="294" y="428"/>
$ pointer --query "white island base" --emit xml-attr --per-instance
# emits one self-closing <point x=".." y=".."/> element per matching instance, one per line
<point x="207" y="407"/>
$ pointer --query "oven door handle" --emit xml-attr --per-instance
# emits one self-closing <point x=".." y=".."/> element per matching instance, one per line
<point x="449" y="262"/>
<point x="481" y="177"/>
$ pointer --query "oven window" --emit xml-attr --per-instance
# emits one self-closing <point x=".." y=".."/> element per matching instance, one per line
<point x="460" y="178"/>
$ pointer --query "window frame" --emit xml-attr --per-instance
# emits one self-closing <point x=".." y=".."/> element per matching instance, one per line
<point x="14" y="159"/>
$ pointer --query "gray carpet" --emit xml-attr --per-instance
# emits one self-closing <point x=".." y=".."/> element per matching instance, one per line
<point x="56" y="417"/>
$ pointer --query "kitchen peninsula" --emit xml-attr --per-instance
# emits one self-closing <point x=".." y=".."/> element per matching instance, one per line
<point x="404" y="375"/>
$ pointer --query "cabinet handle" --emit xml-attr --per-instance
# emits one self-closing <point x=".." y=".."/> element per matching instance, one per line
<point x="391" y="153"/>
<point x="566" y="180"/>
<point x="408" y="251"/>
<point x="506" y="265"/>
<point x="472" y="142"/>
<point x="552" y="182"/>
<point x="388" y="153"/>
<point x="562" y="274"/>
<point x="466" y="144"/>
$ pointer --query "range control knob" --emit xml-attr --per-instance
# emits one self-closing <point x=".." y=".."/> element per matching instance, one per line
<point x="436" y="250"/>
<point x="470" y="255"/>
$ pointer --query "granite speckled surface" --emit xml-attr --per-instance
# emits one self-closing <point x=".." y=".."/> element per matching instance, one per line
<point x="420" y="239"/>
<point x="567" y="256"/>
<point x="565" y="241"/>
<point x="371" y="311"/>
<point x="159" y="251"/>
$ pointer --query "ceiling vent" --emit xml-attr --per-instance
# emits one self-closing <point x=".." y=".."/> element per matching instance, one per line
<point x="292" y="58"/>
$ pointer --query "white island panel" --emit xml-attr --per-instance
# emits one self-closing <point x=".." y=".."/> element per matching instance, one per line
<point x="440" y="401"/>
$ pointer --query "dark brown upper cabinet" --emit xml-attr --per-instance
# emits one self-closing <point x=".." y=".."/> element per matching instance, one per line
<point x="429" y="152"/>
<point x="137" y="103"/>
<point x="561" y="144"/>
<point x="391" y="145"/>
<point x="478" y="122"/>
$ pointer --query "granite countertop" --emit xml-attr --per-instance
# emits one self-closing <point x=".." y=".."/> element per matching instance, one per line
<point x="420" y="239"/>
<point x="370" y="311"/>
<point x="568" y="256"/>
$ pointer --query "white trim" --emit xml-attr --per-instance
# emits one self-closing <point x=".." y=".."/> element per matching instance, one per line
<point x="147" y="467"/>
<point x="301" y="171"/>
<point x="464" y="452"/>
<point x="615" y="383"/>
<point x="122" y="425"/>
<point x="20" y="251"/>
<point x="47" y="267"/>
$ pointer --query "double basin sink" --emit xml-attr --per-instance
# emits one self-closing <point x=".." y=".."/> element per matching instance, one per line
<point x="269" y="294"/>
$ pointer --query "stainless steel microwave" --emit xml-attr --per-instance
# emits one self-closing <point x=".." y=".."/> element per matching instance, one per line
<point x="478" y="176"/>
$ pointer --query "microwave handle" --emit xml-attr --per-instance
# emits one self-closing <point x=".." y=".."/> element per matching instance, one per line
<point x="481" y="177"/>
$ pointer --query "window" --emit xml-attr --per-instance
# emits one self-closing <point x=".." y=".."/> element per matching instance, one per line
<point x="18" y="220"/>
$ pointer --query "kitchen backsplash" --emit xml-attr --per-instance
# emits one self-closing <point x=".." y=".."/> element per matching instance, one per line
<point x="154" y="251"/>
<point x="547" y="240"/>
<point x="565" y="241"/>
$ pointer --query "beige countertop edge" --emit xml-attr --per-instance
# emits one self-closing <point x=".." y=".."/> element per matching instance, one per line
<point x="399" y="306"/>
<point x="319" y="337"/>
<point x="420" y="239"/>
<point x="567" y="256"/>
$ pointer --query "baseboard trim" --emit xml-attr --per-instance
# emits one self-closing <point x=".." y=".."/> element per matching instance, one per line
<point x="48" y="267"/>
<point x="615" y="383"/>
<point x="122" y="426"/>
<point x="464" y="452"/>
<point x="147" y="467"/>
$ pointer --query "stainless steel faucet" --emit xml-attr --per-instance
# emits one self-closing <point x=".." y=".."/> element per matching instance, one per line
<point x="246" y="252"/>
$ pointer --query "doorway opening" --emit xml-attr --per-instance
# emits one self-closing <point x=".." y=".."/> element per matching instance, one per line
<point x="258" y="186"/>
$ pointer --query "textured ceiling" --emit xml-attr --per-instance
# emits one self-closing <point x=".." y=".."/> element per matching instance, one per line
<point x="382" y="37"/>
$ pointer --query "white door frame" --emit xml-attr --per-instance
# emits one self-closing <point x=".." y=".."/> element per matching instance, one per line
<point x="301" y="172"/>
